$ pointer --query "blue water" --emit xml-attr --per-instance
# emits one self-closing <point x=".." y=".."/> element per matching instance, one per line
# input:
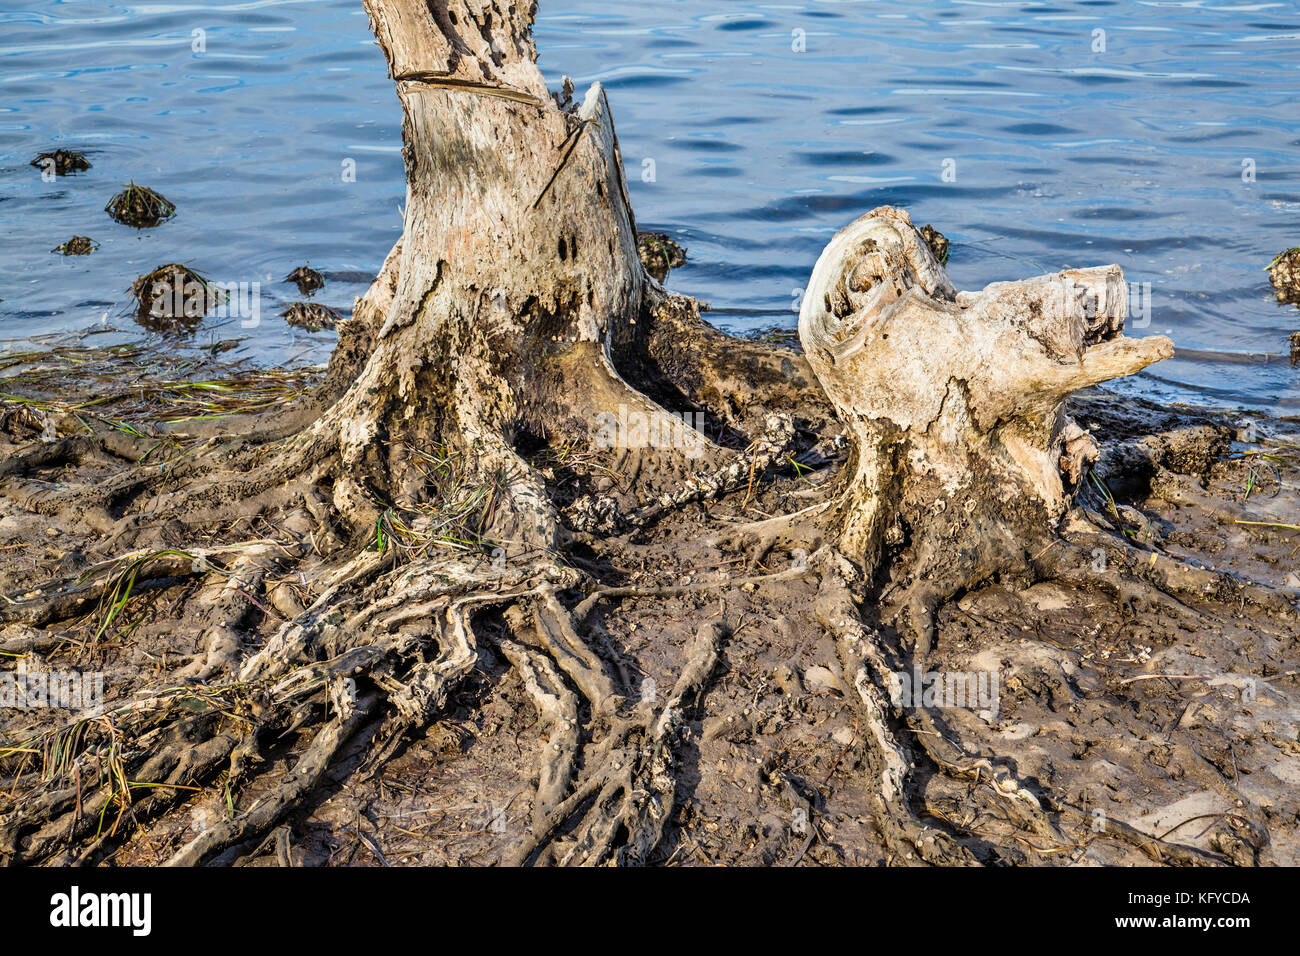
<point x="751" y="131"/>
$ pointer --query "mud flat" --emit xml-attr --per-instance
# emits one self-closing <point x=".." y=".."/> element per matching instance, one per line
<point x="1148" y="707"/>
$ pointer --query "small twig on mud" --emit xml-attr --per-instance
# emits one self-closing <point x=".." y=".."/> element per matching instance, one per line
<point x="807" y="844"/>
<point x="1054" y="849"/>
<point x="1131" y="680"/>
<point x="1046" y="549"/>
<point x="1272" y="524"/>
<point x="708" y="861"/>
<point x="260" y="606"/>
<point x="749" y="490"/>
<point x="835" y="766"/>
<point x="371" y="845"/>
<point x="1204" y="816"/>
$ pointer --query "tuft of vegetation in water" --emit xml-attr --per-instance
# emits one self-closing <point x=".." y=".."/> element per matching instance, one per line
<point x="307" y="279"/>
<point x="171" y="293"/>
<point x="140" y="207"/>
<point x="63" y="162"/>
<point x="77" y="246"/>
<point x="311" y="316"/>
<point x="937" y="242"/>
<point x="1284" y="273"/>
<point x="659" y="254"/>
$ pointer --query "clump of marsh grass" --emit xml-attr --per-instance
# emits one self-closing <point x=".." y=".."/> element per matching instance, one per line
<point x="77" y="246"/>
<point x="62" y="162"/>
<point x="456" y="516"/>
<point x="140" y="207"/>
<point x="311" y="316"/>
<point x="173" y="292"/>
<point x="937" y="242"/>
<point x="307" y="279"/>
<point x="134" y="387"/>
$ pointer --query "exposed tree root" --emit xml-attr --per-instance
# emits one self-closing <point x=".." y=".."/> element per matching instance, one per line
<point x="270" y="809"/>
<point x="1035" y="811"/>
<point x="1170" y="577"/>
<point x="889" y="761"/>
<point x="601" y="513"/>
<point x="557" y="708"/>
<point x="618" y="813"/>
<point x="309" y="670"/>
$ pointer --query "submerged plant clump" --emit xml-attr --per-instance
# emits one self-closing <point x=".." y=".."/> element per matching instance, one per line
<point x="937" y="242"/>
<point x="1284" y="273"/>
<point x="311" y="316"/>
<point x="62" y="162"/>
<point x="172" y="293"/>
<point x="307" y="279"/>
<point x="77" y="246"/>
<point x="659" y="253"/>
<point x="140" y="207"/>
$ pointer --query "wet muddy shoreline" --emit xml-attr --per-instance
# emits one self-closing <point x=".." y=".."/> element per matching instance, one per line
<point x="1180" y="727"/>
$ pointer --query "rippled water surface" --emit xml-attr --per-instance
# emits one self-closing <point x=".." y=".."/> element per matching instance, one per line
<point x="1035" y="135"/>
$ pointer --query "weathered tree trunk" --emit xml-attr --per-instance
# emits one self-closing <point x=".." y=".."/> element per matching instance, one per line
<point x="517" y="277"/>
<point x="518" y="257"/>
